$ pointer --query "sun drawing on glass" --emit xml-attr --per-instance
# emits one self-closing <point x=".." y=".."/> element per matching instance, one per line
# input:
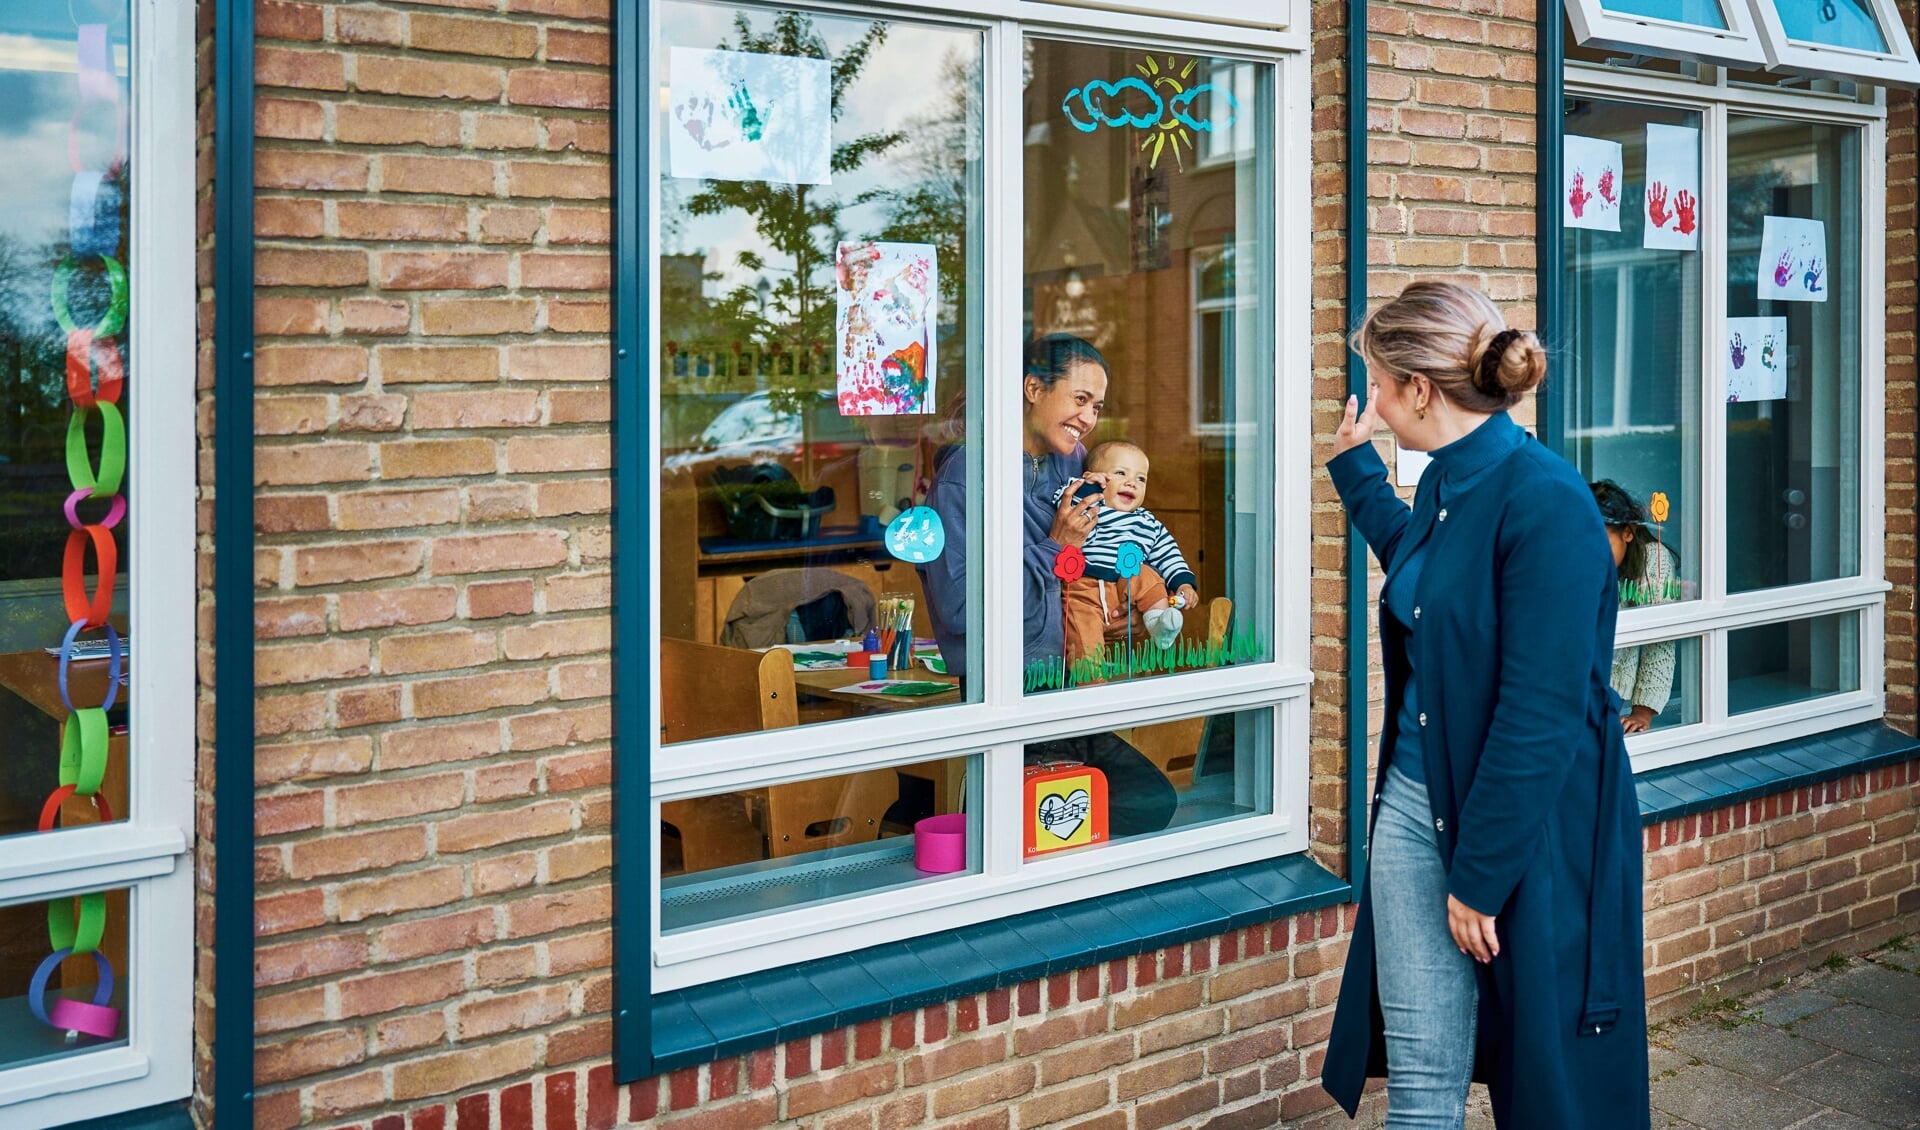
<point x="1170" y="130"/>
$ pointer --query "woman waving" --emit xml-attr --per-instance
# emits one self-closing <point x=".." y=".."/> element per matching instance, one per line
<point x="1499" y="927"/>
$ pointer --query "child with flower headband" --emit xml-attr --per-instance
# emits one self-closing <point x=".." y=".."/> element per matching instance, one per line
<point x="1132" y="562"/>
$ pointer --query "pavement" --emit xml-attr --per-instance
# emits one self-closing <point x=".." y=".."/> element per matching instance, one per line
<point x="1834" y="1049"/>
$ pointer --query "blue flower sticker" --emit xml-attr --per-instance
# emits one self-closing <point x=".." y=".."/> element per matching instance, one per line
<point x="1127" y="559"/>
<point x="916" y="536"/>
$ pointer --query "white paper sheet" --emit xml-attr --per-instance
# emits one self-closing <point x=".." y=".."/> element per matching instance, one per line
<point x="1408" y="465"/>
<point x="1793" y="260"/>
<point x="1756" y="359"/>
<point x="736" y="115"/>
<point x="1672" y="197"/>
<point x="886" y="353"/>
<point x="1592" y="183"/>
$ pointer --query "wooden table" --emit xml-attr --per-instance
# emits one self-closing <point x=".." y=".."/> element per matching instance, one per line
<point x="822" y="682"/>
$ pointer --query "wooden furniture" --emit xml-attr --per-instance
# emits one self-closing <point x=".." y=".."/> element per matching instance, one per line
<point x="823" y="682"/>
<point x="35" y="677"/>
<point x="829" y="812"/>
<point x="709" y="691"/>
<point x="1175" y="746"/>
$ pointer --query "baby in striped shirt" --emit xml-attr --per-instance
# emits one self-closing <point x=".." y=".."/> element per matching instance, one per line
<point x="1096" y="609"/>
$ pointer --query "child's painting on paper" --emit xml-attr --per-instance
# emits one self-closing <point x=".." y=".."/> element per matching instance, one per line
<point x="887" y="296"/>
<point x="738" y="115"/>
<point x="1593" y="183"/>
<point x="1673" y="188"/>
<point x="1793" y="260"/>
<point x="1756" y="359"/>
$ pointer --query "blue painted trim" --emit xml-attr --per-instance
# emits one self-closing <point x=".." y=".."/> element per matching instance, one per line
<point x="633" y="832"/>
<point x="233" y="564"/>
<point x="709" y="1022"/>
<point x="1550" y="254"/>
<point x="166" y="1116"/>
<point x="1358" y="786"/>
<point x="1703" y="786"/>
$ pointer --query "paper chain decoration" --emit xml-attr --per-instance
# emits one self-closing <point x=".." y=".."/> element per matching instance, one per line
<point x="96" y="380"/>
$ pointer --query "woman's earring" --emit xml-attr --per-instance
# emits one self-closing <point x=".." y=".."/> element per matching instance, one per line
<point x="1421" y="412"/>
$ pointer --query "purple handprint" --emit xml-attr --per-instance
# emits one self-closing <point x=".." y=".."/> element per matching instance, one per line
<point x="1812" y="278"/>
<point x="1739" y="352"/>
<point x="1783" y="270"/>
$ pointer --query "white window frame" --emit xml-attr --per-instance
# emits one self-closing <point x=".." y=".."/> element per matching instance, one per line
<point x="1717" y="612"/>
<point x="997" y="726"/>
<point x="1738" y="44"/>
<point x="1895" y="66"/>
<point x="147" y="853"/>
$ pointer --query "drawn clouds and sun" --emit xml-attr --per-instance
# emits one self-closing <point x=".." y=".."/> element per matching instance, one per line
<point x="1159" y="100"/>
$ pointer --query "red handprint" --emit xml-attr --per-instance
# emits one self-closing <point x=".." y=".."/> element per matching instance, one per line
<point x="1657" y="213"/>
<point x="1579" y="196"/>
<point x="1686" y="204"/>
<point x="1783" y="270"/>
<point x="1606" y="187"/>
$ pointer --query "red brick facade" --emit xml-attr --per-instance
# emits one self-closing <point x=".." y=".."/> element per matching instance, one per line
<point x="432" y="512"/>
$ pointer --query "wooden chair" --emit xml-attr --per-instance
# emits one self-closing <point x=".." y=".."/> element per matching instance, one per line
<point x="1175" y="746"/>
<point x="830" y="812"/>
<point x="706" y="692"/>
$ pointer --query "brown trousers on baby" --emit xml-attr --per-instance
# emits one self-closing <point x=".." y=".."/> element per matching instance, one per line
<point x="1095" y="612"/>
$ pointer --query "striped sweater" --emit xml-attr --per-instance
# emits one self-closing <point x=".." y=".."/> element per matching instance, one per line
<point x="1115" y="528"/>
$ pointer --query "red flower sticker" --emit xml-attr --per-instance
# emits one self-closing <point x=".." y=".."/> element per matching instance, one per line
<point x="1069" y="564"/>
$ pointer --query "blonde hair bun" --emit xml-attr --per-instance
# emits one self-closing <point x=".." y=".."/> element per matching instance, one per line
<point x="1455" y="337"/>
<point x="1507" y="362"/>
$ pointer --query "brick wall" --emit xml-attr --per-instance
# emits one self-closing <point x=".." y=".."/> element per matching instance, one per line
<point x="1903" y="392"/>
<point x="432" y="488"/>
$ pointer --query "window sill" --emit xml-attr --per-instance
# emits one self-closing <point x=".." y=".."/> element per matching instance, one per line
<point x="166" y="1116"/>
<point x="714" y="1021"/>
<point x="1716" y="782"/>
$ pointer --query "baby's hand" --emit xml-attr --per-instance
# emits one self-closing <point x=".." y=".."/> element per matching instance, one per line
<point x="1186" y="597"/>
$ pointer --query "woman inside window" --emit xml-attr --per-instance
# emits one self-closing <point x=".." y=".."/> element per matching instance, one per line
<point x="1499" y="924"/>
<point x="1642" y="674"/>
<point x="1063" y="391"/>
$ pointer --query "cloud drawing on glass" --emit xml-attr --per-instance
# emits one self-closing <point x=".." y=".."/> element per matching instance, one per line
<point x="1159" y="100"/>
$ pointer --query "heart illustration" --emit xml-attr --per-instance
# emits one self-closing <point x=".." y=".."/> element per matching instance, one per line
<point x="1063" y="815"/>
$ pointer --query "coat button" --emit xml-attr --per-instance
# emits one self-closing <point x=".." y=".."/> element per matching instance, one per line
<point x="1443" y="513"/>
<point x="1423" y="717"/>
<point x="1439" y="825"/>
<point x="1416" y="612"/>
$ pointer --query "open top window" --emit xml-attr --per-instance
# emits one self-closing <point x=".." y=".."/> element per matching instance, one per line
<point x="1716" y="31"/>
<point x="1862" y="40"/>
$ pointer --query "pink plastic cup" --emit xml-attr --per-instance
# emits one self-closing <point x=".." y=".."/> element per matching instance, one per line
<point x="940" y="844"/>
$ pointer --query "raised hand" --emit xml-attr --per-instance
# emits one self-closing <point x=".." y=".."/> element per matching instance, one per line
<point x="1357" y="427"/>
<point x="1657" y="213"/>
<point x="1687" y="205"/>
<point x="1579" y="196"/>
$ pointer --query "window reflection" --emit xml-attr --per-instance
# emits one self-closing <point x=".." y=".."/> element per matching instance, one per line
<point x="1777" y="664"/>
<point x="820" y="229"/>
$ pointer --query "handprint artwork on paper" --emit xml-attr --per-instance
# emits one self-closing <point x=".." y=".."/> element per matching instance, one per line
<point x="1815" y="268"/>
<point x="1579" y="195"/>
<point x="1739" y="346"/>
<point x="740" y="119"/>
<point x="742" y="113"/>
<point x="1687" y="206"/>
<point x="1783" y="270"/>
<point x="1657" y="213"/>
<point x="1607" y="192"/>
<point x="1767" y="354"/>
<point x="695" y="116"/>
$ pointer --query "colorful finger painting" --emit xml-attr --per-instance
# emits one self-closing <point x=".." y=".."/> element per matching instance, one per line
<point x="1756" y="359"/>
<point x="1590" y="194"/>
<point x="1793" y="260"/>
<point x="738" y="115"/>
<point x="1160" y="99"/>
<point x="1672" y="219"/>
<point x="886" y="296"/>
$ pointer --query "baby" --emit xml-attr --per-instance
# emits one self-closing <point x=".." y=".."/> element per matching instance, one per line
<point x="1096" y="605"/>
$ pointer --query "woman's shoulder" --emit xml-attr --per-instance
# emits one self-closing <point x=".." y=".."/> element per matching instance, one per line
<point x="1549" y="494"/>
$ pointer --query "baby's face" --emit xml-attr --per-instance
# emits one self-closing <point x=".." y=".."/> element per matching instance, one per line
<point x="1126" y="473"/>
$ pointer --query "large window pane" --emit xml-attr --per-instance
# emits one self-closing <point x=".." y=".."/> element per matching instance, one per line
<point x="1148" y="231"/>
<point x="1793" y="438"/>
<point x="1628" y="393"/>
<point x="65" y="393"/>
<point x="820" y="229"/>
<point x="740" y="854"/>
<point x="1777" y="664"/>
<point x="1096" y="789"/>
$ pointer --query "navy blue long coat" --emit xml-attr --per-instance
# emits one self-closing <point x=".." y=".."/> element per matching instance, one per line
<point x="1532" y="792"/>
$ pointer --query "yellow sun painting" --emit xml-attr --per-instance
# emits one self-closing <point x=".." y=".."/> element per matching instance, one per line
<point x="1168" y="81"/>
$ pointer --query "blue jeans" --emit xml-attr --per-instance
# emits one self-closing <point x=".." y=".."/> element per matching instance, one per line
<point x="1428" y="995"/>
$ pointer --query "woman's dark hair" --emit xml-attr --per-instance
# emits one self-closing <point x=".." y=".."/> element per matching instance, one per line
<point x="1048" y="358"/>
<point x="1620" y="510"/>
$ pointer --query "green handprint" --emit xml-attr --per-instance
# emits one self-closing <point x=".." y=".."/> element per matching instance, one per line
<point x="741" y="111"/>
